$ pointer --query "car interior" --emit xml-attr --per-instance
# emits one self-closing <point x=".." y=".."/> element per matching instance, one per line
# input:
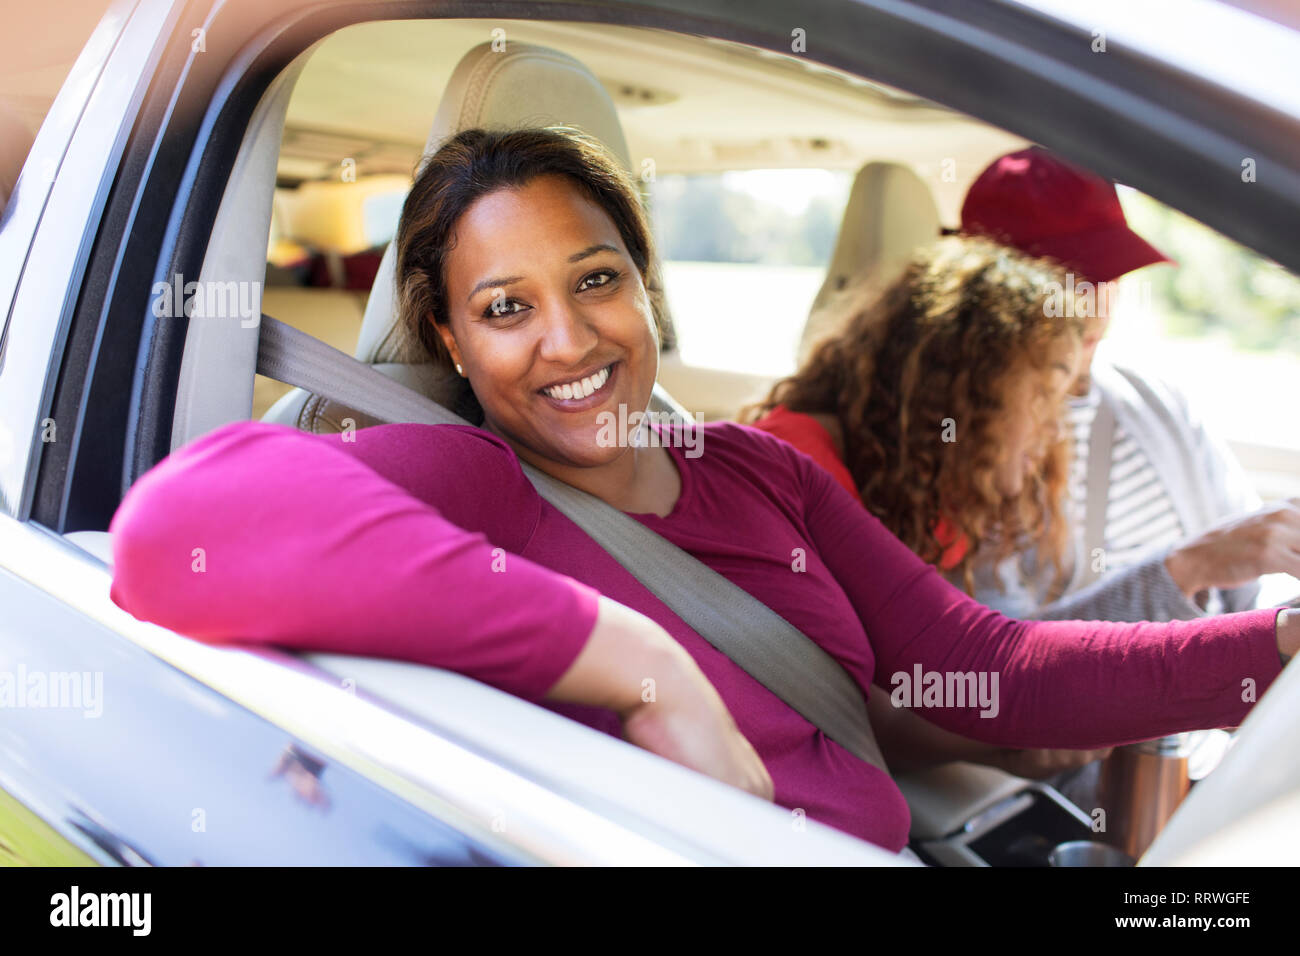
<point x="313" y="198"/>
<point x="607" y="80"/>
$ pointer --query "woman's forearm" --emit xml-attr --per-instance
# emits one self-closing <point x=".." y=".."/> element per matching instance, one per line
<point x="257" y="534"/>
<point x="1140" y="592"/>
<point x="632" y="666"/>
<point x="910" y="742"/>
<point x="628" y="661"/>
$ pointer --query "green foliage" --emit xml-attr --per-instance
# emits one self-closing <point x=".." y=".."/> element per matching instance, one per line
<point x="1217" y="286"/>
<point x="698" y="219"/>
<point x="27" y="840"/>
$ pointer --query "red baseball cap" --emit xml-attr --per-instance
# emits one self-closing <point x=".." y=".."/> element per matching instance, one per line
<point x="1033" y="201"/>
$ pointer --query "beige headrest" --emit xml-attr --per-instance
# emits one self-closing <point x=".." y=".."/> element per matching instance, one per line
<point x="521" y="85"/>
<point x="890" y="213"/>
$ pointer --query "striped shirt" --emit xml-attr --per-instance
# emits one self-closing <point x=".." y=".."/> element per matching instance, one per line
<point x="1140" y="515"/>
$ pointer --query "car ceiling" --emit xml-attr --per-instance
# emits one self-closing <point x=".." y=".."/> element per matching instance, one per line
<point x="691" y="104"/>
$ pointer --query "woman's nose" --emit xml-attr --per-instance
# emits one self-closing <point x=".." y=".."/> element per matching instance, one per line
<point x="567" y="335"/>
<point x="1056" y="431"/>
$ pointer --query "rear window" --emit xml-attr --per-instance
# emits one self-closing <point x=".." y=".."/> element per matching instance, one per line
<point x="744" y="254"/>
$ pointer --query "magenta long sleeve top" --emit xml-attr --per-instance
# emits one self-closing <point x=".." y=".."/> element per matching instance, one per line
<point x="428" y="544"/>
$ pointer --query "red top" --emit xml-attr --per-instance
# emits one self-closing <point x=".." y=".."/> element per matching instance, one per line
<point x="811" y="437"/>
<point x="392" y="545"/>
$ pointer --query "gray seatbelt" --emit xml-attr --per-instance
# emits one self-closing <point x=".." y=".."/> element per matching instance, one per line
<point x="770" y="649"/>
<point x="1101" y="440"/>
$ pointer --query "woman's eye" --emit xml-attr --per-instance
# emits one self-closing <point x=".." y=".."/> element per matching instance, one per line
<point x="499" y="308"/>
<point x="598" y="279"/>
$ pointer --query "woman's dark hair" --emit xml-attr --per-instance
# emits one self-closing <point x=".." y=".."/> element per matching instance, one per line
<point x="477" y="162"/>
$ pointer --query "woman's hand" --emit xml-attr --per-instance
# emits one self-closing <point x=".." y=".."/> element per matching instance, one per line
<point x="1239" y="550"/>
<point x="911" y="743"/>
<point x="1039" y="764"/>
<point x="1288" y="633"/>
<point x="633" y="666"/>
<point x="689" y="724"/>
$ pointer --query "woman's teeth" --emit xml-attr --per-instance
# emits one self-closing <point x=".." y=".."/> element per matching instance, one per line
<point x="581" y="388"/>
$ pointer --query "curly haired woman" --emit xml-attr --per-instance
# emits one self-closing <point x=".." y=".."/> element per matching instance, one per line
<point x="939" y="405"/>
<point x="940" y="402"/>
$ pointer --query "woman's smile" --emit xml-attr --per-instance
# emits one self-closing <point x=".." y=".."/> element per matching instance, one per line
<point x="582" y="392"/>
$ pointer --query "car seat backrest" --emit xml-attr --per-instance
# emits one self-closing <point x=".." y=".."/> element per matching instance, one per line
<point x="890" y="212"/>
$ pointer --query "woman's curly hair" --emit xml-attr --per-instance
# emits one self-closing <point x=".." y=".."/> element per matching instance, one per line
<point x="916" y="378"/>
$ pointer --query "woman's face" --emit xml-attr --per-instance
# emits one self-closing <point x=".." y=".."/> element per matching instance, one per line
<point x="1033" y="399"/>
<point x="1094" y="328"/>
<point x="550" y="320"/>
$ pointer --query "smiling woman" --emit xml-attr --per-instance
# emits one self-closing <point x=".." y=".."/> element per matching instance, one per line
<point x="567" y="335"/>
<point x="523" y="259"/>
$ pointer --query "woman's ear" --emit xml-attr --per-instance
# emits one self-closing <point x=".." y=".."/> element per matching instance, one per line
<point x="448" y="340"/>
<point x="652" y="312"/>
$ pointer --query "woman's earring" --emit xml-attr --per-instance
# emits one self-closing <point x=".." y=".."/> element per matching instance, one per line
<point x="460" y="371"/>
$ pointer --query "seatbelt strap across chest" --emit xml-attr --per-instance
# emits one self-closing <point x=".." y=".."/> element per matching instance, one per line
<point x="1101" y="443"/>
<point x="769" y="648"/>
